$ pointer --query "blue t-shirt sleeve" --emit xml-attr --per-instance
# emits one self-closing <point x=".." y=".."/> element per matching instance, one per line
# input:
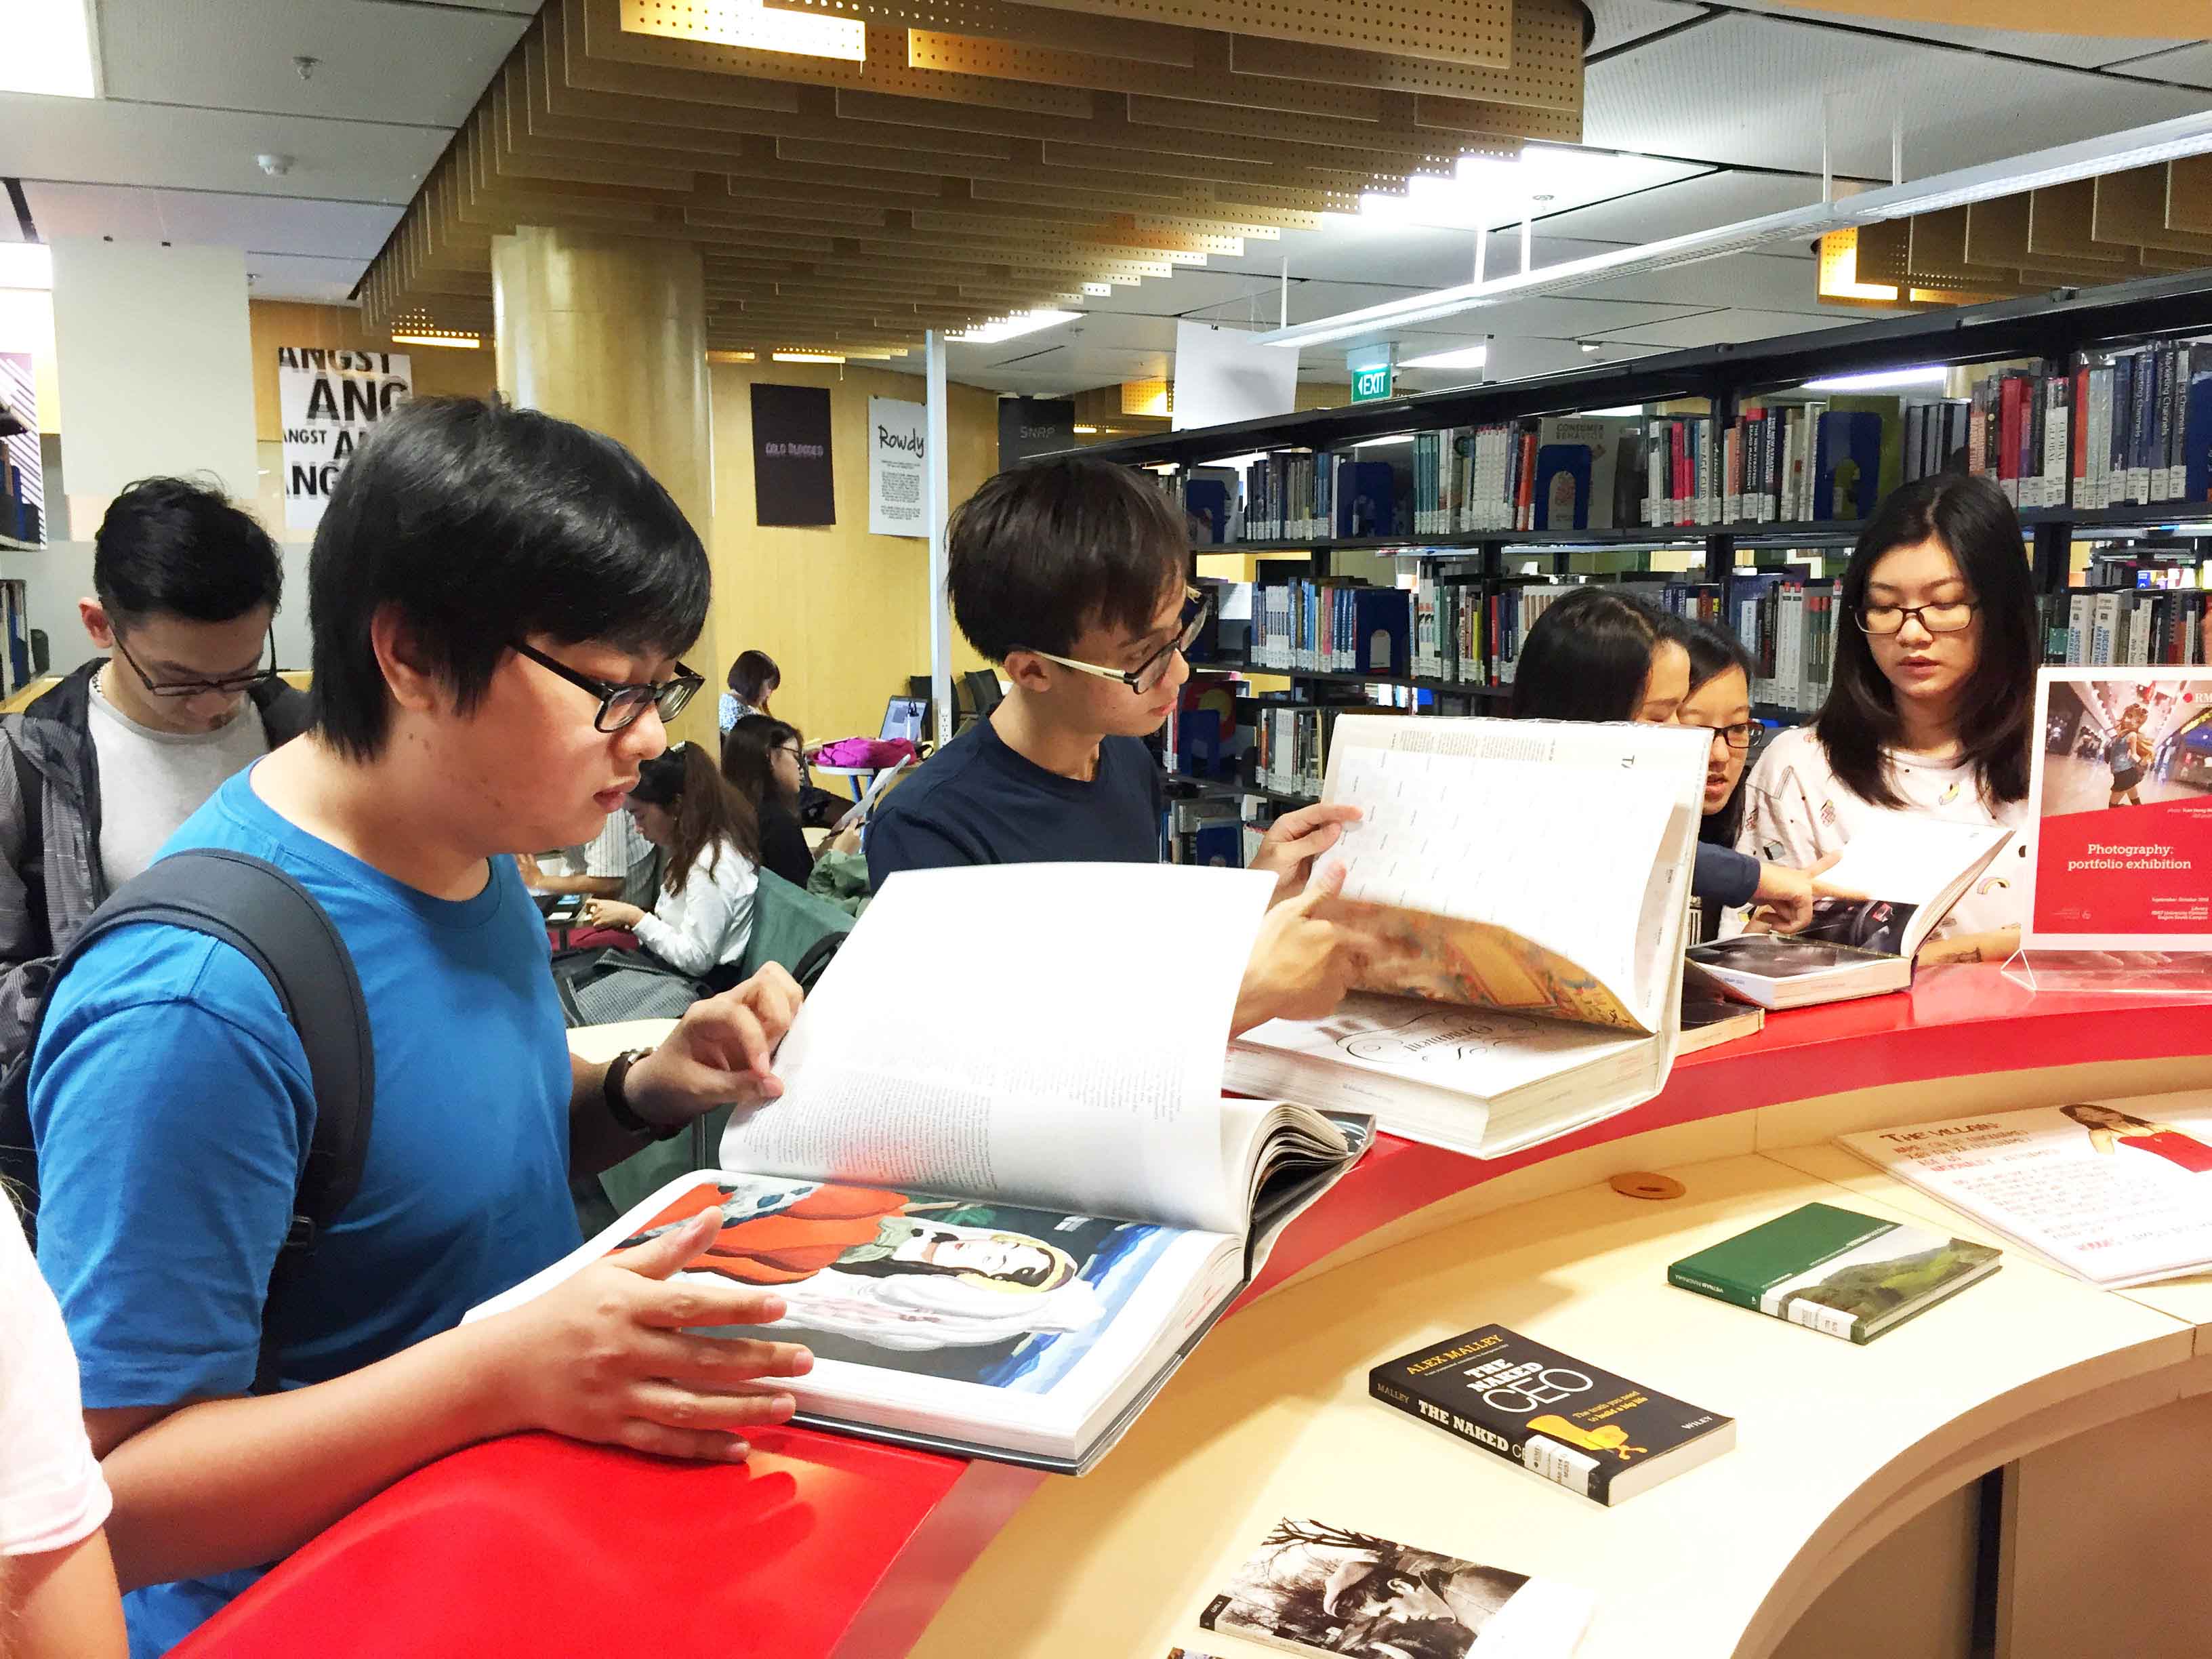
<point x="1724" y="876"/>
<point x="895" y="842"/>
<point x="170" y="1135"/>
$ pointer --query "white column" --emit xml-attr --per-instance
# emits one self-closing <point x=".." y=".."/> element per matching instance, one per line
<point x="937" y="489"/>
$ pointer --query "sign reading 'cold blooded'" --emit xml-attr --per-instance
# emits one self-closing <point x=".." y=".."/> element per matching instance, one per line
<point x="793" y="483"/>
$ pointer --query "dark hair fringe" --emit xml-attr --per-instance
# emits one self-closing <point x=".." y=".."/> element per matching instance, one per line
<point x="746" y="747"/>
<point x="1858" y="723"/>
<point x="751" y="674"/>
<point x="1043" y="551"/>
<point x="1587" y="657"/>
<point x="485" y="525"/>
<point x="177" y="547"/>
<point x="711" y="816"/>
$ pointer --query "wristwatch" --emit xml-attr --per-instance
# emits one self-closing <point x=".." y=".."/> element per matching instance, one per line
<point x="618" y="1106"/>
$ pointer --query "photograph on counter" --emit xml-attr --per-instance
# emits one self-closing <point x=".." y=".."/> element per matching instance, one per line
<point x="1315" y="1587"/>
<point x="1776" y="956"/>
<point x="2122" y="794"/>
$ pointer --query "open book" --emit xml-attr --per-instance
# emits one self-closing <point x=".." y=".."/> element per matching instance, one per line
<point x="1000" y="1219"/>
<point x="1534" y="879"/>
<point x="1912" y="870"/>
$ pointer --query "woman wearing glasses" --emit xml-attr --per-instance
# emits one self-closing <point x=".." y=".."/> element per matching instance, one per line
<point x="1932" y="702"/>
<point x="764" y="758"/>
<point x="1720" y="702"/>
<point x="1601" y="654"/>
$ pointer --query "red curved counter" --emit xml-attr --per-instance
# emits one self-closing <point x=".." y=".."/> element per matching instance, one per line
<point x="536" y="1545"/>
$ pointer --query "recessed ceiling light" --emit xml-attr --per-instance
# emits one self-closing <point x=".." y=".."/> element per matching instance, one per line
<point x="453" y="339"/>
<point x="1010" y="328"/>
<point x="49" y="49"/>
<point x="26" y="265"/>
<point x="1464" y="357"/>
<point x="805" y="357"/>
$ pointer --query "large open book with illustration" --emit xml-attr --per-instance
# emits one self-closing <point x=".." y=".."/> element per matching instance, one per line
<point x="1531" y="880"/>
<point x="2118" y="1195"/>
<point x="1910" y="870"/>
<point x="1000" y="1216"/>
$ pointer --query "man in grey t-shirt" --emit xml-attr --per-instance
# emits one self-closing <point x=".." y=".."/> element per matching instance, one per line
<point x="102" y="769"/>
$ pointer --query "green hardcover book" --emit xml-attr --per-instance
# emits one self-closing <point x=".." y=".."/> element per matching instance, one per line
<point x="1836" y="1271"/>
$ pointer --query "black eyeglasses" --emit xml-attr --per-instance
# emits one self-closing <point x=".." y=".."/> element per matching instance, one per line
<point x="1737" y="736"/>
<point x="1881" y="620"/>
<point x="229" y="686"/>
<point x="621" y="705"/>
<point x="1198" y="605"/>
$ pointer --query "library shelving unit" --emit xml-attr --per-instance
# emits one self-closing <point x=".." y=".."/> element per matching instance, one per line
<point x="2058" y="326"/>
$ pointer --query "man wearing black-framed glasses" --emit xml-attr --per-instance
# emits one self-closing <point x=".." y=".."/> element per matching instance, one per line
<point x="1073" y="576"/>
<point x="102" y="769"/>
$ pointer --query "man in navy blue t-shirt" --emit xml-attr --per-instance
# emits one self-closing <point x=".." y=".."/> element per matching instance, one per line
<point x="1073" y="576"/>
<point x="497" y="599"/>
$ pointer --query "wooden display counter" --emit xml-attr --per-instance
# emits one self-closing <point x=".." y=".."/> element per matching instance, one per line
<point x="1854" y="1478"/>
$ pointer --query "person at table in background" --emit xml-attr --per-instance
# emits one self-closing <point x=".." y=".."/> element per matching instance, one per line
<point x="710" y="868"/>
<point x="498" y="600"/>
<point x="753" y="679"/>
<point x="101" y="770"/>
<point x="1072" y="575"/>
<point x="618" y="863"/>
<point x="57" y="1594"/>
<point x="1600" y="654"/>
<point x="762" y="757"/>
<point x="1931" y="703"/>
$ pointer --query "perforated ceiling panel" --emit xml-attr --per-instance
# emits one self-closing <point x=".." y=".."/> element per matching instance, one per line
<point x="854" y="172"/>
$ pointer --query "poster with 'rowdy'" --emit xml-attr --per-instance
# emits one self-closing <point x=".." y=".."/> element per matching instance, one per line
<point x="329" y="401"/>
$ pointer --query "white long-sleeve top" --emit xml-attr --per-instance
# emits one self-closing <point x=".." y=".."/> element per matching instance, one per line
<point x="706" y="922"/>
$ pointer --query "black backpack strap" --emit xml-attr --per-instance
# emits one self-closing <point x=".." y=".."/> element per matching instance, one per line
<point x="261" y="912"/>
<point x="810" y="966"/>
<point x="31" y="869"/>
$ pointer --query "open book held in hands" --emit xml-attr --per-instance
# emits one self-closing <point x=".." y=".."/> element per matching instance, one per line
<point x="1529" y="881"/>
<point x="1912" y="870"/>
<point x="1000" y="1219"/>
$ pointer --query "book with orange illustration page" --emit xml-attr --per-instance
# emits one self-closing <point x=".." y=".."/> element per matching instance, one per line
<point x="1534" y="879"/>
<point x="1000" y="1219"/>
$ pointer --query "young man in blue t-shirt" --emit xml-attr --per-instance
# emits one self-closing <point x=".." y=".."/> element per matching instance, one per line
<point x="1073" y="576"/>
<point x="498" y="600"/>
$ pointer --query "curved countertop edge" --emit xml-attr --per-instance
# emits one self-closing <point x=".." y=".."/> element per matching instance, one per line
<point x="1953" y="1023"/>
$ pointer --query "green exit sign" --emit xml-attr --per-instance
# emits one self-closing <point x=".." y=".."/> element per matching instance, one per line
<point x="1371" y="385"/>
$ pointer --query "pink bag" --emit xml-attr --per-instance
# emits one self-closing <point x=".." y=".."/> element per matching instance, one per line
<point x="877" y="753"/>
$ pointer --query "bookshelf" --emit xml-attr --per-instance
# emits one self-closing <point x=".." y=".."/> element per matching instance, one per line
<point x="1738" y="401"/>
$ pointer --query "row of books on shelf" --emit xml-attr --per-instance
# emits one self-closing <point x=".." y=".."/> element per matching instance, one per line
<point x="2107" y="428"/>
<point x="2087" y="627"/>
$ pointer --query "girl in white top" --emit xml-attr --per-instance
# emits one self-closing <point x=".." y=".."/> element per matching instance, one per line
<point x="710" y="843"/>
<point x="58" y="1594"/>
<point x="1931" y="704"/>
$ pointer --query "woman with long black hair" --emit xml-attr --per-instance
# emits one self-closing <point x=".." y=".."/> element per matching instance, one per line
<point x="1600" y="654"/>
<point x="710" y="861"/>
<point x="764" y="758"/>
<point x="1932" y="703"/>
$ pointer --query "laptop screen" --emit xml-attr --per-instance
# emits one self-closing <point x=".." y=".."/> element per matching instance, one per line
<point x="902" y="718"/>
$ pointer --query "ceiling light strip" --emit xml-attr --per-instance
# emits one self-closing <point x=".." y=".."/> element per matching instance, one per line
<point x="2162" y="141"/>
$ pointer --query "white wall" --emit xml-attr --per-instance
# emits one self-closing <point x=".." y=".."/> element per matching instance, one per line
<point x="154" y="353"/>
<point x="58" y="575"/>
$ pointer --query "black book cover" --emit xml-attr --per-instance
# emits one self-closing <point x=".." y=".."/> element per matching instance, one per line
<point x="1557" y="1416"/>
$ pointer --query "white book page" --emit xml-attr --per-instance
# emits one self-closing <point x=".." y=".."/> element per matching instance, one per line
<point x="1911" y="861"/>
<point x="2117" y="1196"/>
<point x="1553" y="831"/>
<point x="1051" y="1033"/>
<point x="1476" y="1051"/>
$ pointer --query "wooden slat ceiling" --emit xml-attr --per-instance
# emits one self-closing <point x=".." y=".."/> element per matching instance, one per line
<point x="941" y="163"/>
<point x="2107" y="229"/>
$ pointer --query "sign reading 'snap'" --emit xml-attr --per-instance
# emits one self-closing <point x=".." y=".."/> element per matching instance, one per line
<point x="329" y="401"/>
